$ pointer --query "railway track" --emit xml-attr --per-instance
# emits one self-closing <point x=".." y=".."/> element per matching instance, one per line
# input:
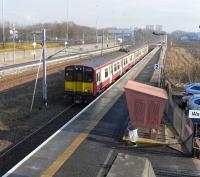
<point x="9" y="157"/>
<point x="20" y="78"/>
<point x="15" y="153"/>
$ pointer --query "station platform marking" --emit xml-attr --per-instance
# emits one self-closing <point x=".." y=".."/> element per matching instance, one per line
<point x="166" y="136"/>
<point x="55" y="166"/>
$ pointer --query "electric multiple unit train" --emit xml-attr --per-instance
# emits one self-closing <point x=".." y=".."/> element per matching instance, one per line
<point x="86" y="79"/>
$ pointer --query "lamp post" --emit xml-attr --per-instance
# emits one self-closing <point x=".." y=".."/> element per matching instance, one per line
<point x="34" y="44"/>
<point x="13" y="33"/>
<point x="44" y="67"/>
<point x="162" y="33"/>
<point x="44" y="72"/>
<point x="67" y="27"/>
<point x="3" y="28"/>
<point x="122" y="39"/>
<point x="35" y="34"/>
<point x="161" y="69"/>
<point x="97" y="41"/>
<point x="102" y="42"/>
<point x="107" y="40"/>
<point x="96" y="34"/>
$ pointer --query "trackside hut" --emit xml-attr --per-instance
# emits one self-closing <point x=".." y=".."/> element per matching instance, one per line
<point x="146" y="104"/>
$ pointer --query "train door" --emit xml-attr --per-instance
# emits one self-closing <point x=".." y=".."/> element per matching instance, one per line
<point x="69" y="80"/>
<point x="98" y="79"/>
<point x="78" y="79"/>
<point x="120" y="67"/>
<point x="111" y="72"/>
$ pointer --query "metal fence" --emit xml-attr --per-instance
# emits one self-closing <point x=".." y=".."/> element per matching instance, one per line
<point x="196" y="145"/>
<point x="181" y="123"/>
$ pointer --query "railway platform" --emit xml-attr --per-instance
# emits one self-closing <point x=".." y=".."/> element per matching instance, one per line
<point x="89" y="143"/>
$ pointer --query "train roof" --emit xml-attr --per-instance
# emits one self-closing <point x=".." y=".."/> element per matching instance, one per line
<point x="101" y="60"/>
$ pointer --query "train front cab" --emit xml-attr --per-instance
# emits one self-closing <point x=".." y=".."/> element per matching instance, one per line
<point x="79" y="84"/>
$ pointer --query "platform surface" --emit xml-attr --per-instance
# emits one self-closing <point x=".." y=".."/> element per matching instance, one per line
<point x="88" y="145"/>
<point x="131" y="166"/>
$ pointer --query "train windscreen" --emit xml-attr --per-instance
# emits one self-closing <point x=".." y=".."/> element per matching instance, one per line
<point x="69" y="74"/>
<point x="88" y="75"/>
<point x="79" y="75"/>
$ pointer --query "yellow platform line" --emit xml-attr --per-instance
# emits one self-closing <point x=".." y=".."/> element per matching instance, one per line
<point x="149" y="141"/>
<point x="55" y="166"/>
<point x="144" y="141"/>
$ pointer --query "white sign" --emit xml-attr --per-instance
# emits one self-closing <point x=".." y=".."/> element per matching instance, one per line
<point x="156" y="66"/>
<point x="119" y="40"/>
<point x="34" y="53"/>
<point x="34" y="44"/>
<point x="194" y="114"/>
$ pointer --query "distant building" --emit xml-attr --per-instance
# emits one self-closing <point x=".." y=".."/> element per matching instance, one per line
<point x="189" y="37"/>
<point x="150" y="27"/>
<point x="136" y="29"/>
<point x="127" y="32"/>
<point x="158" y="28"/>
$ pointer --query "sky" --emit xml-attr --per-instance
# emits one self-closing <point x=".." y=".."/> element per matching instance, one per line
<point x="172" y="14"/>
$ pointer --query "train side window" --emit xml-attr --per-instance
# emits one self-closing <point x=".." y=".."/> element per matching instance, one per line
<point x="98" y="76"/>
<point x="115" y="67"/>
<point x="69" y="75"/>
<point x="110" y="68"/>
<point x="118" y="66"/>
<point x="88" y="76"/>
<point x="106" y="72"/>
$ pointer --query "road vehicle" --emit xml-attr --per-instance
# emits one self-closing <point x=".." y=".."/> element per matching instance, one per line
<point x="193" y="103"/>
<point x="184" y="101"/>
<point x="193" y="88"/>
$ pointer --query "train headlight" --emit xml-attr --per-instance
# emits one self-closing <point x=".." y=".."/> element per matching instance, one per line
<point x="87" y="91"/>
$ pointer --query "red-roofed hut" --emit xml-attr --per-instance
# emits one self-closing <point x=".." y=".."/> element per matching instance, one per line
<point x="146" y="104"/>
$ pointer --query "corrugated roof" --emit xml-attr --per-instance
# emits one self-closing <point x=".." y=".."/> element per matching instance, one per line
<point x="146" y="89"/>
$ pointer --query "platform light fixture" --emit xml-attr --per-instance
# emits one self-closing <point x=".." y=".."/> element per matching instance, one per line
<point x="3" y="27"/>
